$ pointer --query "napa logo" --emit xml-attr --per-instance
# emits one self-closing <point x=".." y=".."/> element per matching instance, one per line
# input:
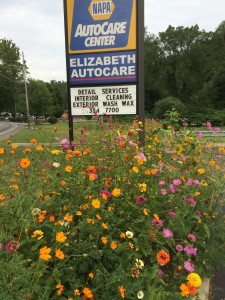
<point x="101" y="9"/>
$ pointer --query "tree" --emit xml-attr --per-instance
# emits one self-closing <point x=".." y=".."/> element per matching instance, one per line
<point x="10" y="75"/>
<point x="40" y="99"/>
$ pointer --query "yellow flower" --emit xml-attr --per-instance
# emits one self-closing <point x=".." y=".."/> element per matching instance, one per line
<point x="68" y="168"/>
<point x="116" y="192"/>
<point x="56" y="152"/>
<point x="142" y="187"/>
<point x="44" y="253"/>
<point x="105" y="226"/>
<point x="145" y="211"/>
<point x="24" y="163"/>
<point x="59" y="254"/>
<point x="38" y="234"/>
<point x="201" y="171"/>
<point x="91" y="275"/>
<point x="59" y="288"/>
<point x="96" y="203"/>
<point x="60" y="237"/>
<point x="135" y="169"/>
<point x="194" y="279"/>
<point x="78" y="213"/>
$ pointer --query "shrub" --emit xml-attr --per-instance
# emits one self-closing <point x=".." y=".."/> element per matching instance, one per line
<point x="52" y="120"/>
<point x="167" y="104"/>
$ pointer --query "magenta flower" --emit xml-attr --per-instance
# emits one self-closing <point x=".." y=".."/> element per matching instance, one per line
<point x="106" y="193"/>
<point x="189" y="266"/>
<point x="160" y="273"/>
<point x="191" y="237"/>
<point x="209" y="126"/>
<point x="171" y="214"/>
<point x="200" y="135"/>
<point x="191" y="201"/>
<point x="167" y="233"/>
<point x="12" y="246"/>
<point x="179" y="247"/>
<point x="163" y="192"/>
<point x="217" y="130"/>
<point x="177" y="182"/>
<point x="140" y="199"/>
<point x="190" y="250"/>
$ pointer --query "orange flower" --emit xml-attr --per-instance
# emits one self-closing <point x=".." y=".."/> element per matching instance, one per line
<point x="77" y="153"/>
<point x="92" y="169"/>
<point x="68" y="168"/>
<point x="33" y="141"/>
<point x="123" y="235"/>
<point x="104" y="240"/>
<point x="201" y="171"/>
<point x="24" y="163"/>
<point x="163" y="257"/>
<point x="2" y="150"/>
<point x="14" y="186"/>
<point x="78" y="213"/>
<point x="122" y="291"/>
<point x="44" y="253"/>
<point x="76" y="292"/>
<point x="135" y="169"/>
<point x="62" y="182"/>
<point x="192" y="290"/>
<point x="91" y="275"/>
<point x="87" y="292"/>
<point x="59" y="254"/>
<point x="51" y="219"/>
<point x="39" y="148"/>
<point x="184" y="290"/>
<point x="105" y="226"/>
<point x="60" y="237"/>
<point x="147" y="172"/>
<point x="2" y="197"/>
<point x="113" y="245"/>
<point x="68" y="218"/>
<point x="59" y="288"/>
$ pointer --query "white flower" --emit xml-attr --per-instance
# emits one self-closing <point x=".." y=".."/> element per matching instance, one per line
<point x="35" y="212"/>
<point x="139" y="264"/>
<point x="55" y="165"/>
<point x="129" y="234"/>
<point x="140" y="295"/>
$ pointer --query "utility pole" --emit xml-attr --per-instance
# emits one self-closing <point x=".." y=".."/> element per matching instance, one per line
<point x="26" y="94"/>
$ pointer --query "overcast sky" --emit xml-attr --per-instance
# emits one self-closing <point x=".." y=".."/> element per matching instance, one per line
<point x="37" y="27"/>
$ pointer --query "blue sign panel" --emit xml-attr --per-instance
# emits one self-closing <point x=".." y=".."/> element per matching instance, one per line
<point x="101" y="25"/>
<point x="97" y="68"/>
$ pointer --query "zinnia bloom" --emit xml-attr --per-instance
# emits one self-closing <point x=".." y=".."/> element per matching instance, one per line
<point x="134" y="272"/>
<point x="163" y="257"/>
<point x="140" y="199"/>
<point x="68" y="168"/>
<point x="96" y="203"/>
<point x="167" y="233"/>
<point x="44" y="253"/>
<point x="140" y="295"/>
<point x="191" y="237"/>
<point x="38" y="234"/>
<point x="190" y="250"/>
<point x="116" y="192"/>
<point x="189" y="266"/>
<point x="129" y="234"/>
<point x="60" y="237"/>
<point x="184" y="290"/>
<point x="139" y="263"/>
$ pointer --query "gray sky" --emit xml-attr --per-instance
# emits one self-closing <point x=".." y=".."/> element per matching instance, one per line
<point x="37" y="27"/>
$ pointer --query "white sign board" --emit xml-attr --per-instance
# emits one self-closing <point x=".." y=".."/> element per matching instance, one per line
<point x="109" y="100"/>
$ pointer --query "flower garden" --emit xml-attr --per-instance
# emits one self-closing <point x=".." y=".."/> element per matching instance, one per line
<point x="109" y="219"/>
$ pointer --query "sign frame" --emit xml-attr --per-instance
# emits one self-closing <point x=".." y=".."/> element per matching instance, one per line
<point x="138" y="8"/>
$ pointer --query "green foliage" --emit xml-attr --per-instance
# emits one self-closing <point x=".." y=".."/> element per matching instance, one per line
<point x="167" y="104"/>
<point x="52" y="120"/>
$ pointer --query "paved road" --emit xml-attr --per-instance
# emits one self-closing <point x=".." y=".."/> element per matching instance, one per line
<point x="8" y="129"/>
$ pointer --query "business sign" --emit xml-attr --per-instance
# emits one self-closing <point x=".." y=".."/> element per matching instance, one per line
<point x="100" y="25"/>
<point x="96" y="68"/>
<point x="104" y="100"/>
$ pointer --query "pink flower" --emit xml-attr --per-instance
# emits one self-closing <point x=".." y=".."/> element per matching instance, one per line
<point x="191" y="201"/>
<point x="209" y="126"/>
<point x="140" y="156"/>
<point x="167" y="233"/>
<point x="189" y="266"/>
<point x="161" y="182"/>
<point x="172" y="189"/>
<point x="157" y="223"/>
<point x="171" y="214"/>
<point x="191" y="237"/>
<point x="163" y="192"/>
<point x="191" y="250"/>
<point x="200" y="135"/>
<point x="12" y="246"/>
<point x="177" y="182"/>
<point x="106" y="193"/>
<point x="217" y="130"/>
<point x="179" y="247"/>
